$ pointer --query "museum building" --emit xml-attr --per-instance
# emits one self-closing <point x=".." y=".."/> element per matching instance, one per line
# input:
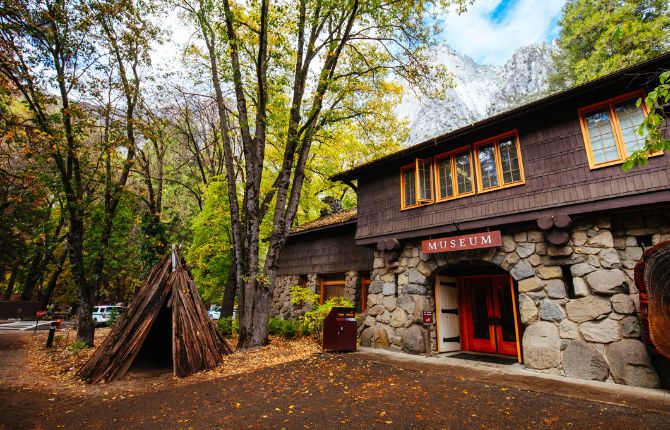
<point x="516" y="236"/>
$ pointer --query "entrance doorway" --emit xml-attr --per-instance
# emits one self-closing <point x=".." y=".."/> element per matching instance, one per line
<point x="488" y="315"/>
<point x="476" y="312"/>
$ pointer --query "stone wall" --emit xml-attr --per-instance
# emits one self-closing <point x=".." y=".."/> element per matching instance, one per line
<point x="282" y="307"/>
<point x="577" y="303"/>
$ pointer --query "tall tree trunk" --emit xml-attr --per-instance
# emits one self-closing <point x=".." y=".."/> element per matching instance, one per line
<point x="85" y="291"/>
<point x="228" y="303"/>
<point x="11" y="282"/>
<point x="53" y="280"/>
<point x="34" y="274"/>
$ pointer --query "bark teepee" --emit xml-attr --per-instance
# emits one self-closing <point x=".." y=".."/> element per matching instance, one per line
<point x="197" y="344"/>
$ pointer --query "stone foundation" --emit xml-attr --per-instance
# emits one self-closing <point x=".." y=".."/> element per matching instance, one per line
<point x="578" y="304"/>
<point x="282" y="307"/>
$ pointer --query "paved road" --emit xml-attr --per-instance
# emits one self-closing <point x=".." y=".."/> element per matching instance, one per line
<point x="30" y="325"/>
<point x="324" y="391"/>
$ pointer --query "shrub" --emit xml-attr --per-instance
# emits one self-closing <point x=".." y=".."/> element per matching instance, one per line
<point x="274" y="326"/>
<point x="227" y="325"/>
<point x="289" y="329"/>
<point x="77" y="345"/>
<point x="113" y="317"/>
<point x="312" y="321"/>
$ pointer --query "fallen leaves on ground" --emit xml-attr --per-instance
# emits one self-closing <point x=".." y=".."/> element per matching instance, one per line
<point x="57" y="367"/>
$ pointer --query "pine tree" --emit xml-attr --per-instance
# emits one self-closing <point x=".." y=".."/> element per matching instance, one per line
<point x="601" y="36"/>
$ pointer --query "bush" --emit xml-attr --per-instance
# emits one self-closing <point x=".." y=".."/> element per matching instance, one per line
<point x="227" y="326"/>
<point x="289" y="329"/>
<point x="274" y="326"/>
<point x="114" y="315"/>
<point x="312" y="321"/>
<point x="77" y="345"/>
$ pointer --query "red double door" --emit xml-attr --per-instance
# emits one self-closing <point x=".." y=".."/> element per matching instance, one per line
<point x="487" y="314"/>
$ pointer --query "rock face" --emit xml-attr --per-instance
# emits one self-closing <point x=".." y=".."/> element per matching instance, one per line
<point x="527" y="309"/>
<point x="582" y="360"/>
<point x="630" y="327"/>
<point x="630" y="364"/>
<point x="588" y="308"/>
<point x="606" y="282"/>
<point x="522" y="270"/>
<point x="480" y="90"/>
<point x="568" y="329"/>
<point x="412" y="340"/>
<point x="541" y="345"/>
<point x="551" y="311"/>
<point x="604" y="331"/>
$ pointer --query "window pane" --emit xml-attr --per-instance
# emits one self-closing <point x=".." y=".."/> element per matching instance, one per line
<point x="445" y="176"/>
<point x="509" y="160"/>
<point x="332" y="291"/>
<point x="602" y="139"/>
<point x="425" y="181"/>
<point x="463" y="173"/>
<point x="630" y="117"/>
<point x="410" y="187"/>
<point x="487" y="163"/>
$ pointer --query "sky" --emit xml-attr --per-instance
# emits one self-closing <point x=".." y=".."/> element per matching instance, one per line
<point x="488" y="32"/>
<point x="491" y="30"/>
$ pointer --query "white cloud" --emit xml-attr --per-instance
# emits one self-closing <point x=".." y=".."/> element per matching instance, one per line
<point x="475" y="34"/>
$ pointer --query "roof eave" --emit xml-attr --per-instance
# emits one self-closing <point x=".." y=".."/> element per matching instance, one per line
<point x="325" y="227"/>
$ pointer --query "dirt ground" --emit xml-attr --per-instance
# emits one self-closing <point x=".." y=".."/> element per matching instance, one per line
<point x="286" y="385"/>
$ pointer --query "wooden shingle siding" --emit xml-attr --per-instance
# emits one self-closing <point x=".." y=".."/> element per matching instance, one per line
<point x="331" y="250"/>
<point x="556" y="167"/>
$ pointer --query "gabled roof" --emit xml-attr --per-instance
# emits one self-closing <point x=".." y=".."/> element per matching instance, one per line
<point x="332" y="220"/>
<point x="652" y="64"/>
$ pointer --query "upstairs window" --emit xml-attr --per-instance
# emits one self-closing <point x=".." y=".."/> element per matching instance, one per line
<point x="454" y="174"/>
<point x="610" y="129"/>
<point x="499" y="162"/>
<point x="416" y="183"/>
<point x="496" y="162"/>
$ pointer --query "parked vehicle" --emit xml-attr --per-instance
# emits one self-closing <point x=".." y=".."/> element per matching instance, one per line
<point x="103" y="314"/>
<point x="215" y="312"/>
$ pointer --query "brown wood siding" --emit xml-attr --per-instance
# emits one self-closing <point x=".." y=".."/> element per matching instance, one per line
<point x="556" y="170"/>
<point x="330" y="250"/>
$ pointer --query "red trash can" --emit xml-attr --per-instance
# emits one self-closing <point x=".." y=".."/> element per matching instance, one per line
<point x="339" y="330"/>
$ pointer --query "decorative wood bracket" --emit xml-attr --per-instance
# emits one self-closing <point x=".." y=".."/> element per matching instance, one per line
<point x="556" y="228"/>
<point x="390" y="249"/>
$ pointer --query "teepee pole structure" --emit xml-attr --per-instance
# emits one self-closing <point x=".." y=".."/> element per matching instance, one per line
<point x="197" y="344"/>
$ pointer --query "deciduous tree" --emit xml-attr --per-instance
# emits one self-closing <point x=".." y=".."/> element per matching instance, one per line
<point x="293" y="69"/>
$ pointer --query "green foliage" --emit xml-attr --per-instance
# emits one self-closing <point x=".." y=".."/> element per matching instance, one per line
<point x="301" y="295"/>
<point x="288" y="329"/>
<point x="227" y="325"/>
<point x="601" y="36"/>
<point x="153" y="240"/>
<point x="113" y="316"/>
<point x="313" y="320"/>
<point x="210" y="253"/>
<point x="652" y="126"/>
<point x="77" y="345"/>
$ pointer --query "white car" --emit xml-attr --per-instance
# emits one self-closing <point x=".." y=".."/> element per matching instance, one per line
<point x="102" y="314"/>
<point x="215" y="312"/>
